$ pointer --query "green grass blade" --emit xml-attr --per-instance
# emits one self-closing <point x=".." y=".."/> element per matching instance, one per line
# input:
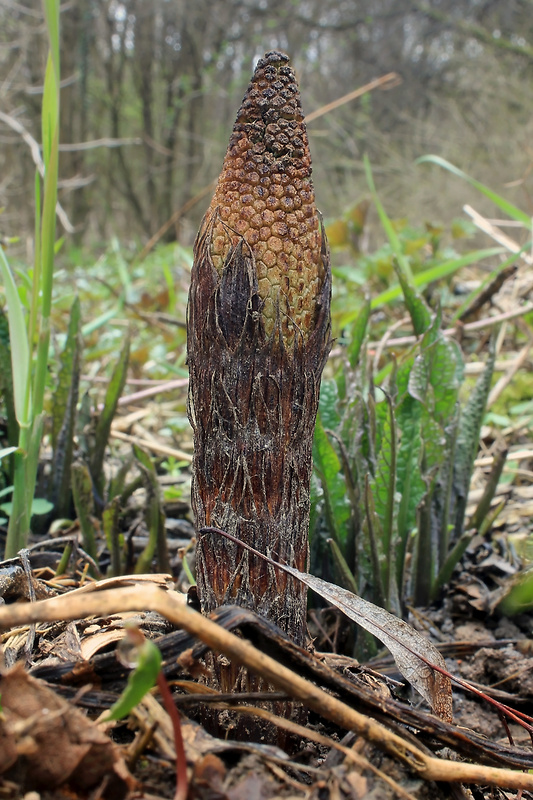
<point x="482" y="511"/>
<point x="154" y="517"/>
<point x="504" y="205"/>
<point x="49" y="227"/>
<point x="43" y="282"/>
<point x="358" y="334"/>
<point x="385" y="497"/>
<point x="416" y="306"/>
<point x="36" y="278"/>
<point x="19" y="523"/>
<point x="24" y="474"/>
<point x="410" y="483"/>
<point x="328" y="468"/>
<point x="388" y="227"/>
<point x="20" y="352"/>
<point x="51" y="11"/>
<point x="6" y="451"/>
<point x="99" y="322"/>
<point x="82" y="491"/>
<point x="110" y="524"/>
<point x="437" y="273"/>
<point x="372" y="524"/>
<point x="64" y="414"/>
<point x="50" y="110"/>
<point x="468" y="439"/>
<point x="32" y="457"/>
<point x="6" y="384"/>
<point x="425" y="554"/>
<point x="347" y="578"/>
<point x="451" y="561"/>
<point x="103" y="425"/>
<point x="68" y="371"/>
<point x="29" y="398"/>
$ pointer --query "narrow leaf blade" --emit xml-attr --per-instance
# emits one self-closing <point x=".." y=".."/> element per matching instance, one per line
<point x="103" y="425"/>
<point x="508" y="208"/>
<point x="437" y="273"/>
<point x="328" y="468"/>
<point x="417" y="308"/>
<point x="387" y="224"/>
<point x="413" y="653"/>
<point x="140" y="681"/>
<point x="418" y="660"/>
<point x="358" y="334"/>
<point x="20" y="354"/>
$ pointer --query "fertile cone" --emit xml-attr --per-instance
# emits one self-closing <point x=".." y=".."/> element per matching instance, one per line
<point x="265" y="195"/>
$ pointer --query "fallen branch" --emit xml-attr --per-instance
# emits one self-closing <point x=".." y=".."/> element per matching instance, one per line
<point x="388" y="81"/>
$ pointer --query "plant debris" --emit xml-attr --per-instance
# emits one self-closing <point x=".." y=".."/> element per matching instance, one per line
<point x="300" y="674"/>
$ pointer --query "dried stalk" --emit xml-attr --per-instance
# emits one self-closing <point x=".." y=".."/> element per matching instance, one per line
<point x="258" y="333"/>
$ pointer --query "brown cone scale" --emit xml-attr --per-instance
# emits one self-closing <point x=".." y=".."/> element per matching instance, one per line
<point x="258" y="334"/>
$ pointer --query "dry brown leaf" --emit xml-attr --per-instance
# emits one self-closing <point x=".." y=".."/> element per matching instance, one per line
<point x="418" y="660"/>
<point x="162" y="580"/>
<point x="209" y="773"/>
<point x="107" y="631"/>
<point x="415" y="656"/>
<point x="97" y="641"/>
<point x="49" y="742"/>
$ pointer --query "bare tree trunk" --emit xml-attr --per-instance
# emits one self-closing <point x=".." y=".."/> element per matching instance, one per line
<point x="258" y="339"/>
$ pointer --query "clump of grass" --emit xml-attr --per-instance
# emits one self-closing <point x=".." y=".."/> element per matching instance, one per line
<point x="29" y="328"/>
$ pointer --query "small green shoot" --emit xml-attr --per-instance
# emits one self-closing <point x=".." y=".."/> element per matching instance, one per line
<point x="143" y="656"/>
<point x="82" y="491"/>
<point x="140" y="653"/>
<point x="105" y="418"/>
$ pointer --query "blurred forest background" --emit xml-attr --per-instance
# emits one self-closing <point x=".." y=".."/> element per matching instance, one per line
<point x="150" y="91"/>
